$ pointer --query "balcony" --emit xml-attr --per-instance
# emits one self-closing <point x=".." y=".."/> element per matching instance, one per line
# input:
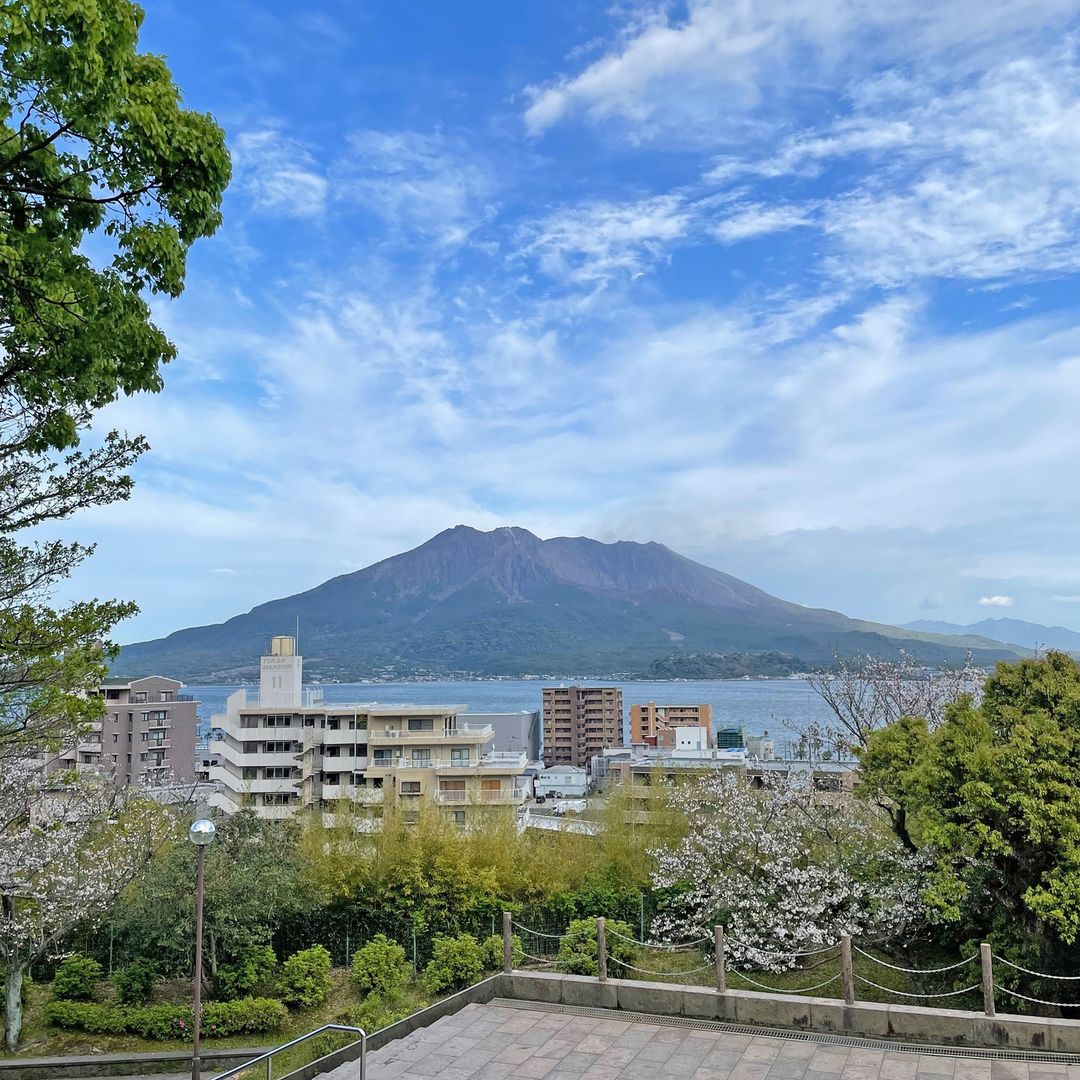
<point x="471" y="732"/>
<point x="502" y="797"/>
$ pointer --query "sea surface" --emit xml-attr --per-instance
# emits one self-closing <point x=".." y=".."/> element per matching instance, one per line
<point x="781" y="707"/>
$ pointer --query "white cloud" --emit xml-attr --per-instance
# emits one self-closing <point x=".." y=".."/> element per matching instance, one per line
<point x="703" y="73"/>
<point x="595" y="242"/>
<point x="748" y="221"/>
<point x="426" y="185"/>
<point x="278" y="173"/>
<point x="996" y="601"/>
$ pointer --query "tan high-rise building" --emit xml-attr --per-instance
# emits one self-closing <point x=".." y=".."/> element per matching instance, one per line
<point x="581" y="722"/>
<point x="650" y="722"/>
<point x="147" y="735"/>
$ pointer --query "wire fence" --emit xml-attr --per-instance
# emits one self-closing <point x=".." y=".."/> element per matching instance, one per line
<point x="842" y="968"/>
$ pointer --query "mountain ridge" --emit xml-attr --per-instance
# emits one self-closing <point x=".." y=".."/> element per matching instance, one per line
<point x="505" y="602"/>
<point x="1009" y="631"/>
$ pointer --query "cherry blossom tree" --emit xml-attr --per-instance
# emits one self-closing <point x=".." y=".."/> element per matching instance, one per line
<point x="865" y="693"/>
<point x="785" y="868"/>
<point x="68" y="845"/>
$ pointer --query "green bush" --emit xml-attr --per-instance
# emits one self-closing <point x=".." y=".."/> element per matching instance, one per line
<point x="377" y="1011"/>
<point x="135" y="982"/>
<point x="253" y="972"/>
<point x="86" y="1016"/>
<point x="76" y="979"/>
<point x="577" y="949"/>
<point x="493" y="952"/>
<point x="305" y="978"/>
<point x="245" y="1016"/>
<point x="380" y="967"/>
<point x="456" y="962"/>
<point x="161" y="1023"/>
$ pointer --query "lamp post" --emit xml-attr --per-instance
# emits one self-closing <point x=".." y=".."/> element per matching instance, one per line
<point x="201" y="834"/>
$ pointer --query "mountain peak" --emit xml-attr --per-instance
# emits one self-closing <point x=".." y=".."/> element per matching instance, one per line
<point x="504" y="601"/>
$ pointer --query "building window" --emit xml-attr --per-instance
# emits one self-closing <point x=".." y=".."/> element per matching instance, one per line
<point x="410" y="787"/>
<point x="457" y="816"/>
<point x="416" y="724"/>
<point x="277" y="747"/>
<point x="277" y="772"/>
<point x="279" y="721"/>
<point x="140" y="695"/>
<point x="248" y="772"/>
<point x="421" y="759"/>
<point x="459" y="756"/>
<point x="382" y="757"/>
<point x="333" y="751"/>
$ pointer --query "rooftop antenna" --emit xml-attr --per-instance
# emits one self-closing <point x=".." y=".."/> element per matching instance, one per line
<point x="298" y="633"/>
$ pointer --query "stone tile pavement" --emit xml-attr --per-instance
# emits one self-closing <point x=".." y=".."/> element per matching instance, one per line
<point x="489" y="1042"/>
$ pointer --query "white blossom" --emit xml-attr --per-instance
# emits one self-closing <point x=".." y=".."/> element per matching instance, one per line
<point x="783" y="868"/>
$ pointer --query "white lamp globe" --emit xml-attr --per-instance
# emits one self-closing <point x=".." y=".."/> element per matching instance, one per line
<point x="202" y="832"/>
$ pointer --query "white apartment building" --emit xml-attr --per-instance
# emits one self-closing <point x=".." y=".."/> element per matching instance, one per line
<point x="287" y="749"/>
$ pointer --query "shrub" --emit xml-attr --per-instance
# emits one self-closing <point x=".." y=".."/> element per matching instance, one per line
<point x="135" y="982"/>
<point x="577" y="949"/>
<point x="377" y="1011"/>
<point x="253" y="972"/>
<point x="380" y="966"/>
<point x="305" y="978"/>
<point x="76" y="979"/>
<point x="493" y="952"/>
<point x="161" y="1022"/>
<point x="85" y="1016"/>
<point x="456" y="962"/>
<point x="245" y="1016"/>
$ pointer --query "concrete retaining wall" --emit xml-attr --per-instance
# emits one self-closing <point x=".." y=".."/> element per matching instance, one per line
<point x="940" y="1027"/>
<point x="213" y="1061"/>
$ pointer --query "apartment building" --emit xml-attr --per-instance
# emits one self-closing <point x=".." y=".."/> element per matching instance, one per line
<point x="286" y="749"/>
<point x="147" y="735"/>
<point x="514" y="730"/>
<point x="656" y="724"/>
<point x="581" y="722"/>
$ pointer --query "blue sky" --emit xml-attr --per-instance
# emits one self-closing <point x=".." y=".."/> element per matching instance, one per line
<point x="791" y="287"/>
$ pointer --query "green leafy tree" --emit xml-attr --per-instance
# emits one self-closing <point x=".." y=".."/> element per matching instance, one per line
<point x="105" y="182"/>
<point x="134" y="982"/>
<point x="991" y="797"/>
<point x="254" y="880"/>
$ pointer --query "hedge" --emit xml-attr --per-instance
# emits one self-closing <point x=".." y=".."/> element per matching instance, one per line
<point x="245" y="1016"/>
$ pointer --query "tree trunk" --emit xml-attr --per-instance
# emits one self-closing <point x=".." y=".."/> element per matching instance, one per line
<point x="13" y="1006"/>
<point x="213" y="957"/>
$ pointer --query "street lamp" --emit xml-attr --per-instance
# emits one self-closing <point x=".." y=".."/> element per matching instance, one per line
<point x="201" y="834"/>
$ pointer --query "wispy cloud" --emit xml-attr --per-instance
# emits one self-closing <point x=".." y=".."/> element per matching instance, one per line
<point x="996" y="601"/>
<point x="278" y="173"/>
<point x="680" y="77"/>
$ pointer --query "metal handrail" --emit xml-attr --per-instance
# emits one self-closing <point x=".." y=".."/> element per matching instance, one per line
<point x="268" y="1056"/>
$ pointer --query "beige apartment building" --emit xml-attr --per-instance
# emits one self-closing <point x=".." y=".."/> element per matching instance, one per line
<point x="147" y="735"/>
<point x="286" y="749"/>
<point x="580" y="722"/>
<point x="656" y="724"/>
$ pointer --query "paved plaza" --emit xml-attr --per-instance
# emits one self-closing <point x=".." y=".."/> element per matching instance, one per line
<point x="492" y="1042"/>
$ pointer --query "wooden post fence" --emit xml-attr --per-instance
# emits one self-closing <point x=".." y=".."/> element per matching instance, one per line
<point x="718" y="950"/>
<point x="847" y="972"/>
<point x="601" y="949"/>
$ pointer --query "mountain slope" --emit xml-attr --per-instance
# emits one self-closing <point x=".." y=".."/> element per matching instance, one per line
<point x="506" y="602"/>
<point x="1013" y="631"/>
